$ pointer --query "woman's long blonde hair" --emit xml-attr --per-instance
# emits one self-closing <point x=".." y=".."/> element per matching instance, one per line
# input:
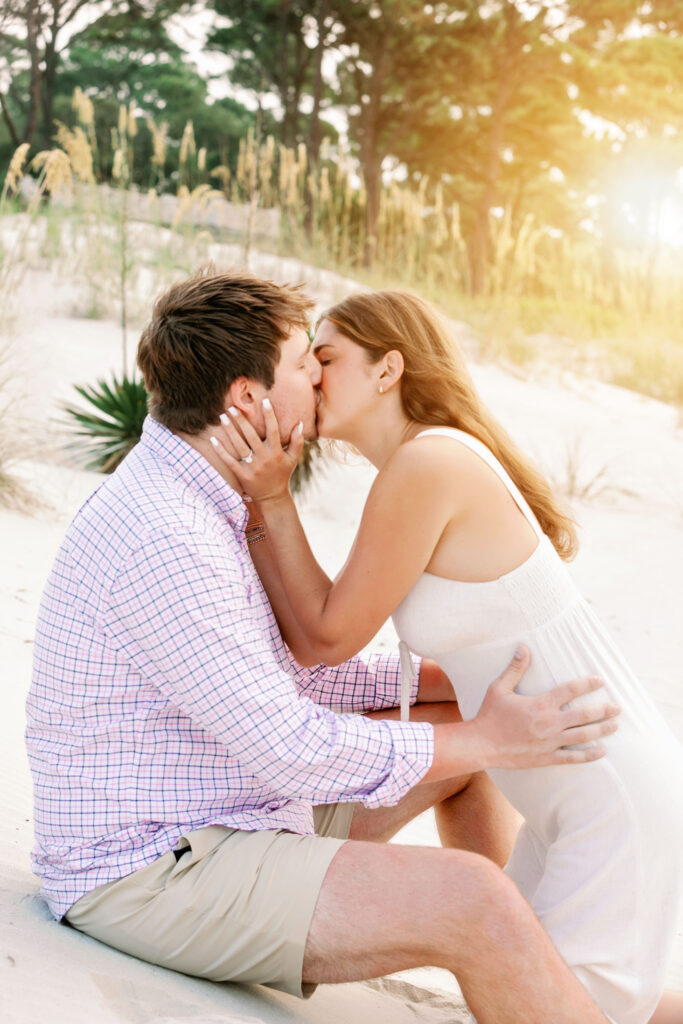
<point x="437" y="389"/>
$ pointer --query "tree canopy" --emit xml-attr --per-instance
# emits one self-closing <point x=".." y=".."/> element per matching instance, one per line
<point x="533" y="107"/>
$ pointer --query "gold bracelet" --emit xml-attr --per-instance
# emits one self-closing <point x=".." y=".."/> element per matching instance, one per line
<point x="258" y="537"/>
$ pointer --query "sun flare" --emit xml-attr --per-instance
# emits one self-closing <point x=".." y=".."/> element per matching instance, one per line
<point x="646" y="206"/>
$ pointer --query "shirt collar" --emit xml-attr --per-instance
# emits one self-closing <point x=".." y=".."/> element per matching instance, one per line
<point x="193" y="468"/>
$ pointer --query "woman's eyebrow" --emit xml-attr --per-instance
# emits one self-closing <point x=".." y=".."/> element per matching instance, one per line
<point x="324" y="344"/>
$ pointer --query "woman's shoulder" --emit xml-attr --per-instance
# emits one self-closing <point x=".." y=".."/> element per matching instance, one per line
<point x="468" y="450"/>
<point x="432" y="463"/>
<point x="435" y="446"/>
<point x="422" y="482"/>
<point x="429" y="460"/>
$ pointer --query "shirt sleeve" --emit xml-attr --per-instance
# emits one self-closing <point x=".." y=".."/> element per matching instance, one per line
<point x="180" y="612"/>
<point x="360" y="684"/>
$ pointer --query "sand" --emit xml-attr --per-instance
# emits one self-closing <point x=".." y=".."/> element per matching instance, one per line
<point x="622" y="456"/>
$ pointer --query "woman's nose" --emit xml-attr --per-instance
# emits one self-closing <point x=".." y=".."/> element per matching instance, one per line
<point x="315" y="369"/>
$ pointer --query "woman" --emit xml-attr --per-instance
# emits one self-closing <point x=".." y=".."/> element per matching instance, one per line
<point x="462" y="540"/>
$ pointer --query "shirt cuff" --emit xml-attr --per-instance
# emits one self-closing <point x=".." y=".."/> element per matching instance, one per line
<point x="413" y="744"/>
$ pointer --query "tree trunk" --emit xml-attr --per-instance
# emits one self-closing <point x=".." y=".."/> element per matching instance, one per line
<point x="479" y="243"/>
<point x="370" y="158"/>
<point x="51" y="60"/>
<point x="509" y="70"/>
<point x="35" y="74"/>
<point x="300" y="66"/>
<point x="284" y="76"/>
<point x="253" y="186"/>
<point x="315" y="133"/>
<point x="7" y="118"/>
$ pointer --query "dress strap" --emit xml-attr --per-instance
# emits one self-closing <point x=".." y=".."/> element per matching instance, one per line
<point x="480" y="449"/>
<point x="407" y="679"/>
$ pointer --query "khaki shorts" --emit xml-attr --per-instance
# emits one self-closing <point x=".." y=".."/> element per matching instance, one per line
<point x="237" y="906"/>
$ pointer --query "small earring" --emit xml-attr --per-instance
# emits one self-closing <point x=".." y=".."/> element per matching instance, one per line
<point x="381" y="390"/>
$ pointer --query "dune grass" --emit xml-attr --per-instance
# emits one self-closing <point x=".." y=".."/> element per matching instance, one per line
<point x="617" y="315"/>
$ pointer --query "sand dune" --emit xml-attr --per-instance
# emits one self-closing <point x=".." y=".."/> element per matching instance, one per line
<point x="622" y="452"/>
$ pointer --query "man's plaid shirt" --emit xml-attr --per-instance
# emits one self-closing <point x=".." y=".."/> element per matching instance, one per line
<point x="163" y="697"/>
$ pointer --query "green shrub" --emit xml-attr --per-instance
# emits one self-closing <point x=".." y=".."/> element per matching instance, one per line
<point x="112" y="427"/>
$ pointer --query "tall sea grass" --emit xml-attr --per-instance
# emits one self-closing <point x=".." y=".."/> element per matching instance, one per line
<point x="19" y="245"/>
<point x="618" y="313"/>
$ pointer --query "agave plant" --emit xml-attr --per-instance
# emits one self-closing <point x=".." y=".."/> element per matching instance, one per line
<point x="105" y="435"/>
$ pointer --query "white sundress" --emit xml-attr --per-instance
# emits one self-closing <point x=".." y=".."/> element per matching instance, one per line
<point x="599" y="856"/>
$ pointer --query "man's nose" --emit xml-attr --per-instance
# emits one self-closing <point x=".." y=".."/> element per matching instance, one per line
<point x="315" y="369"/>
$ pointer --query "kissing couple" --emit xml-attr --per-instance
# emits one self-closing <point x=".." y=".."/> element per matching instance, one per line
<point x="217" y="770"/>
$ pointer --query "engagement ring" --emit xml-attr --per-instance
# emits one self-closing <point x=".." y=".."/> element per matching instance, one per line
<point x="248" y="458"/>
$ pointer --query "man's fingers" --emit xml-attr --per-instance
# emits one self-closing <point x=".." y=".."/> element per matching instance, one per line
<point x="510" y="678"/>
<point x="564" y="756"/>
<point x="585" y="715"/>
<point x="567" y="692"/>
<point x="589" y="733"/>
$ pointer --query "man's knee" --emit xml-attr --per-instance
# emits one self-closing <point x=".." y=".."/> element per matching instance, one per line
<point x="485" y="894"/>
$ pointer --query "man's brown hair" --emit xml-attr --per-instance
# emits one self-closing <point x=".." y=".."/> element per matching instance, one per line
<point x="207" y="331"/>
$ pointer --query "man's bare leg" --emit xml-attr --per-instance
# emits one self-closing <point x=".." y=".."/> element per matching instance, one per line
<point x="470" y="812"/>
<point x="389" y="908"/>
<point x="670" y="1009"/>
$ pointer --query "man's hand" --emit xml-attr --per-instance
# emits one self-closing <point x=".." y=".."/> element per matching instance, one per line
<point x="528" y="732"/>
<point x="514" y="731"/>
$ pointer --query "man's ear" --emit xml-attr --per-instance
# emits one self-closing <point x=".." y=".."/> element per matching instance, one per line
<point x="393" y="366"/>
<point x="246" y="395"/>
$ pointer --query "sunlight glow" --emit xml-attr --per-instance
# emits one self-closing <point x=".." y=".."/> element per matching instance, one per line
<point x="646" y="207"/>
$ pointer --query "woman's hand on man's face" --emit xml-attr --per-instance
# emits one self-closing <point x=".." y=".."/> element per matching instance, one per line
<point x="262" y="467"/>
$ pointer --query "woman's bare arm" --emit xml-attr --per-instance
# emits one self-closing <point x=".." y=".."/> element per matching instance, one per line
<point x="406" y="512"/>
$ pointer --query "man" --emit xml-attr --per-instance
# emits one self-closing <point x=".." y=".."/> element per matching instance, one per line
<point x="178" y="749"/>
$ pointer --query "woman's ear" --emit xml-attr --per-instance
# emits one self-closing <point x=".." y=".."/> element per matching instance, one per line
<point x="392" y="370"/>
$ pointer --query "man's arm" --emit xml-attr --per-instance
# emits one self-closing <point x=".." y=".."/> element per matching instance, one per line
<point x="372" y="683"/>
<point x="364" y="683"/>
<point x="182" y="614"/>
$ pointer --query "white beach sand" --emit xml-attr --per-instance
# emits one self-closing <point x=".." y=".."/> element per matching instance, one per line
<point x="630" y="567"/>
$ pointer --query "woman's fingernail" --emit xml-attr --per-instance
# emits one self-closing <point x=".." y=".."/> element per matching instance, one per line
<point x="232" y="410"/>
<point x="300" y="428"/>
<point x="266" y="403"/>
<point x="213" y="441"/>
<point x="224" y="419"/>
